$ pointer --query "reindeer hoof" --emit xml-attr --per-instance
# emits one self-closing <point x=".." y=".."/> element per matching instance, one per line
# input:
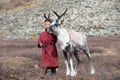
<point x="92" y="72"/>
<point x="68" y="73"/>
<point x="73" y="73"/>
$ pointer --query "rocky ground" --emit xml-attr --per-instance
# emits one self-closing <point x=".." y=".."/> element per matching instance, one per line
<point x="19" y="60"/>
<point x="24" y="18"/>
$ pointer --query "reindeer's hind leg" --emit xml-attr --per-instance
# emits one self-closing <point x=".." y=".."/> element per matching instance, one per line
<point x="87" y="52"/>
<point x="77" y="57"/>
<point x="78" y="61"/>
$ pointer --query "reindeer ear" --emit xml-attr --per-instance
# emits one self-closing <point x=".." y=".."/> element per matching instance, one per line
<point x="62" y="21"/>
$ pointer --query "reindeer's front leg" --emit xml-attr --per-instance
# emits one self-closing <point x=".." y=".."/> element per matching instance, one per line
<point x="66" y="62"/>
<point x="73" y="71"/>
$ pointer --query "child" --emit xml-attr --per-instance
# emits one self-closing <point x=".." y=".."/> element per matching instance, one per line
<point x="46" y="41"/>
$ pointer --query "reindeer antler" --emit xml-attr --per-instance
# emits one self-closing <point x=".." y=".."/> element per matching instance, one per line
<point x="59" y="16"/>
<point x="63" y="13"/>
<point x="56" y="14"/>
<point x="47" y="18"/>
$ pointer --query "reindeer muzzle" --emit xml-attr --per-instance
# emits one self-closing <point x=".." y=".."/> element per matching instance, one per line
<point x="49" y="30"/>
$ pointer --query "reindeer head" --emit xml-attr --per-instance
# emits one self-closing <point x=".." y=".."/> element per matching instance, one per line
<point x="56" y="24"/>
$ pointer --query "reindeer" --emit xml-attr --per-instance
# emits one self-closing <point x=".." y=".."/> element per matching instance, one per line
<point x="71" y="43"/>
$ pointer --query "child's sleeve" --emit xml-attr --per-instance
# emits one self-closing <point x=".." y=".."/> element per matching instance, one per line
<point x="39" y="42"/>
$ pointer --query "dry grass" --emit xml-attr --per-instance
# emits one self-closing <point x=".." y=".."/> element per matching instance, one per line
<point x="19" y="60"/>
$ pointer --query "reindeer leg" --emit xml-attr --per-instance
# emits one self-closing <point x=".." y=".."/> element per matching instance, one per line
<point x="73" y="72"/>
<point x="66" y="62"/>
<point x="77" y="57"/>
<point x="87" y="52"/>
<point x="78" y="60"/>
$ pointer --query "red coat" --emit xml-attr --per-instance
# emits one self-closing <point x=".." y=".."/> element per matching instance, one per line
<point x="49" y="54"/>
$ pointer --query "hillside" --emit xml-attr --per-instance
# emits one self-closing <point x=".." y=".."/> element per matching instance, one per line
<point x="24" y="18"/>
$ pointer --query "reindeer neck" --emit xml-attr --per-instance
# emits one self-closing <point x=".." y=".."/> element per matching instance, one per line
<point x="63" y="37"/>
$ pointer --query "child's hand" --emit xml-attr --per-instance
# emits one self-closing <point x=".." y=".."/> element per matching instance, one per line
<point x="43" y="45"/>
<point x="39" y="46"/>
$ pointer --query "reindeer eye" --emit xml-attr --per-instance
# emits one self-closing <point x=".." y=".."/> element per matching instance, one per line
<point x="56" y="25"/>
